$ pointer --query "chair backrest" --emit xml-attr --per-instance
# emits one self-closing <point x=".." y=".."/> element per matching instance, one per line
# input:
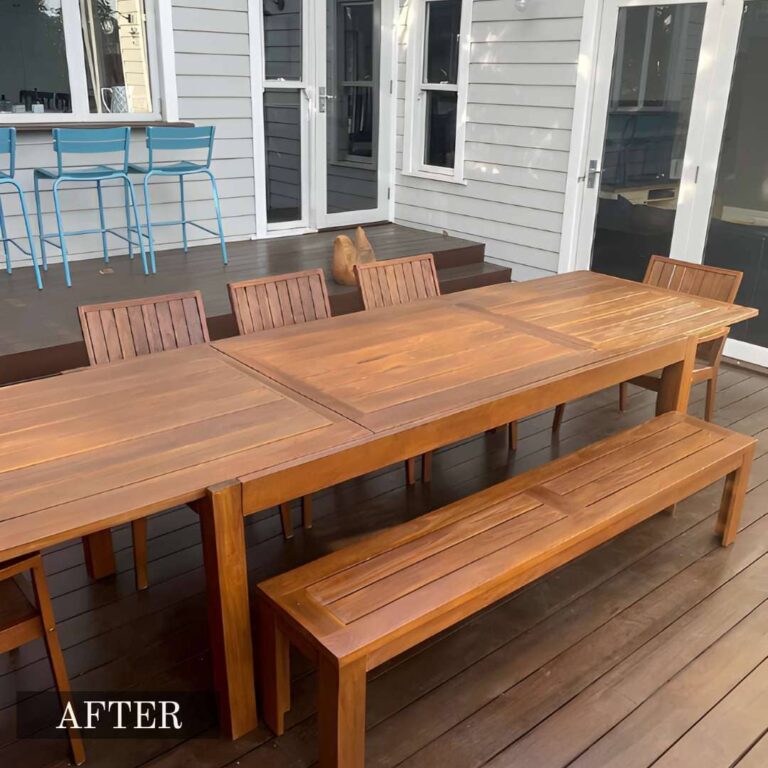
<point x="8" y="147"/>
<point x="92" y="141"/>
<point x="397" y="281"/>
<point x="273" y="302"/>
<point x="170" y="139"/>
<point x="124" y="329"/>
<point x="695" y="279"/>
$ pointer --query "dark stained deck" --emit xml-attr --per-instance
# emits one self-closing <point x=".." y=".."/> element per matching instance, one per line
<point x="40" y="333"/>
<point x="652" y="650"/>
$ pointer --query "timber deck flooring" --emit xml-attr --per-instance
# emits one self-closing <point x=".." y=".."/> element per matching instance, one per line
<point x="649" y="651"/>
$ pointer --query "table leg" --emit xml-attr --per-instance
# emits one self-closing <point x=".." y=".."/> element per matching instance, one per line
<point x="229" y="618"/>
<point x="675" y="386"/>
<point x="99" y="554"/>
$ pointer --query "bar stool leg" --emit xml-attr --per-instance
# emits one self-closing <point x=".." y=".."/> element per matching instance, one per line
<point x="150" y="235"/>
<point x="4" y="237"/>
<point x="128" y="226"/>
<point x="217" y="206"/>
<point x="40" y="231"/>
<point x="183" y="214"/>
<point x="62" y="240"/>
<point x="28" y="229"/>
<point x="102" y="223"/>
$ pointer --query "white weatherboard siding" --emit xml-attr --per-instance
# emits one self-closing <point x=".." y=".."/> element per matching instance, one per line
<point x="213" y="83"/>
<point x="522" y="81"/>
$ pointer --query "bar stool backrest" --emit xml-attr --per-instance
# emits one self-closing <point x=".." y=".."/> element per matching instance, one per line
<point x="92" y="141"/>
<point x="8" y="147"/>
<point x="170" y="139"/>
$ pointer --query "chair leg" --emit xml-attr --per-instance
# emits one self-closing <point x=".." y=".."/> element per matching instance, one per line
<point x="512" y="435"/>
<point x="557" y="421"/>
<point x="62" y="239"/>
<point x="30" y="240"/>
<point x="4" y="238"/>
<point x="306" y="511"/>
<point x="287" y="520"/>
<point x="341" y="713"/>
<point x="274" y="678"/>
<point x="623" y="396"/>
<point x="128" y="225"/>
<point x="217" y="206"/>
<point x="102" y="222"/>
<point x="40" y="231"/>
<point x="148" y="217"/>
<point x="735" y="490"/>
<point x="183" y="214"/>
<point x="426" y="467"/>
<point x="55" y="655"/>
<point x="410" y="471"/>
<point x="99" y="554"/>
<point x="709" y="408"/>
<point x="139" y="531"/>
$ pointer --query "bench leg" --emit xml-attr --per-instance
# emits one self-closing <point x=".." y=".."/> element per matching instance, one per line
<point x="275" y="670"/>
<point x="306" y="511"/>
<point x="558" y="418"/>
<point x="99" y="554"/>
<point x="426" y="467"/>
<point x="512" y="435"/>
<point x="229" y="618"/>
<point x="287" y="520"/>
<point x="623" y="396"/>
<point x="341" y="713"/>
<point x="733" y="500"/>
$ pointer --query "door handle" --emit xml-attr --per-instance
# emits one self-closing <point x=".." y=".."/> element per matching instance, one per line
<point x="323" y="98"/>
<point x="592" y="173"/>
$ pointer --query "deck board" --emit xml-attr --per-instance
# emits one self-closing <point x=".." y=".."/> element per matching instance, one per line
<point x="591" y="653"/>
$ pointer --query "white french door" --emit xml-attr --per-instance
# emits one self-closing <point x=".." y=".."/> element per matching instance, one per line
<point x="672" y="130"/>
<point x="323" y="127"/>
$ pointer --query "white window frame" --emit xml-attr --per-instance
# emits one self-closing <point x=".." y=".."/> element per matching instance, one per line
<point x="416" y="96"/>
<point x="162" y="73"/>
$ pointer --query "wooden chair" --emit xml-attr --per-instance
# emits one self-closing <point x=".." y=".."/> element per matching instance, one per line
<point x="401" y="281"/>
<point x="124" y="329"/>
<point x="22" y="621"/>
<point x="275" y="302"/>
<point x="697" y="280"/>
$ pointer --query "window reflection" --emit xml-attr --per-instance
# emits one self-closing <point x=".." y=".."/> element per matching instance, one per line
<point x="33" y="61"/>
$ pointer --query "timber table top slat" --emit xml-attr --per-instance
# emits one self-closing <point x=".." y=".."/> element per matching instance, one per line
<point x="90" y="449"/>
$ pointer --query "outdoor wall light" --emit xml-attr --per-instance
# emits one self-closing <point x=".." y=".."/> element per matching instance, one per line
<point x="521" y="5"/>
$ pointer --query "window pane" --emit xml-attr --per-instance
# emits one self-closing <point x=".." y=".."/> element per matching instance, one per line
<point x="282" y="39"/>
<point x="33" y="61"/>
<point x="282" y="134"/>
<point x="738" y="230"/>
<point x="441" y="50"/>
<point x="440" y="144"/>
<point x="116" y="61"/>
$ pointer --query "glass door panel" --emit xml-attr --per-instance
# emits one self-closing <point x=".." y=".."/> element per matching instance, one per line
<point x="285" y="113"/>
<point x="737" y="235"/>
<point x="351" y="102"/>
<point x="650" y="97"/>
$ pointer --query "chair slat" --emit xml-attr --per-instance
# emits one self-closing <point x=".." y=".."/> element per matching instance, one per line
<point x="125" y="329"/>
<point x="274" y="302"/>
<point x="397" y="281"/>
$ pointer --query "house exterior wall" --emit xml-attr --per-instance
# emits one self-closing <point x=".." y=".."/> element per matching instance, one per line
<point x="212" y="57"/>
<point x="522" y="83"/>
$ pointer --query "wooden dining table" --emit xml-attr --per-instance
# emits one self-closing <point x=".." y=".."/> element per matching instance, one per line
<point x="235" y="427"/>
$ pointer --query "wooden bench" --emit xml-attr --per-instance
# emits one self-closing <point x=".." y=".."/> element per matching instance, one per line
<point x="353" y="610"/>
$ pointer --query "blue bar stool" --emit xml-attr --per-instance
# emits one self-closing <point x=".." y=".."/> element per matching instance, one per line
<point x="89" y="141"/>
<point x="167" y="139"/>
<point x="8" y="147"/>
